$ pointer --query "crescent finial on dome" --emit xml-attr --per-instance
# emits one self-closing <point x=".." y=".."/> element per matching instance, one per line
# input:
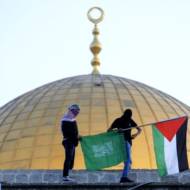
<point x="95" y="46"/>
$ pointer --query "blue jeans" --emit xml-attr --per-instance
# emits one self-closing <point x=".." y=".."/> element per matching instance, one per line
<point x="127" y="163"/>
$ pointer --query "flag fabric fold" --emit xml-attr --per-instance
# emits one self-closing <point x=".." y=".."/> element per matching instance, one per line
<point x="170" y="145"/>
<point x="103" y="150"/>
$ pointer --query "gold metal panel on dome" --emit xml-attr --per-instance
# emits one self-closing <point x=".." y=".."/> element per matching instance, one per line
<point x="42" y="163"/>
<point x="8" y="146"/>
<point x="41" y="152"/>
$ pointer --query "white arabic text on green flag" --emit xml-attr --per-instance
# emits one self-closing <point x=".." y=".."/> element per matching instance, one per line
<point x="103" y="150"/>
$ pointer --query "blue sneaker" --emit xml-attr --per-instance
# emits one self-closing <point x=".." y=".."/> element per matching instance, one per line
<point x="67" y="179"/>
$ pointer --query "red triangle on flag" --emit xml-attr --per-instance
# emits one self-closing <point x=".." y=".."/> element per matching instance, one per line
<point x="169" y="128"/>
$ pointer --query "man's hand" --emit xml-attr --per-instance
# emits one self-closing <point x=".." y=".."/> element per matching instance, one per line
<point x="109" y="130"/>
<point x="136" y="134"/>
<point x="80" y="138"/>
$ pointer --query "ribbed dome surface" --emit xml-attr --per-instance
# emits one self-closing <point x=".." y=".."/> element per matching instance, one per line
<point x="30" y="135"/>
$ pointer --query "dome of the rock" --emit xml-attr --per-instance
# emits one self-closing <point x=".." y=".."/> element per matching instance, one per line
<point x="30" y="136"/>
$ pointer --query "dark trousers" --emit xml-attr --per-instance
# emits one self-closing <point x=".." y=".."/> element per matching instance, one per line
<point x="69" y="157"/>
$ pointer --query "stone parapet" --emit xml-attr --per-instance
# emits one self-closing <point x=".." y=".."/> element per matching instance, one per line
<point x="88" y="177"/>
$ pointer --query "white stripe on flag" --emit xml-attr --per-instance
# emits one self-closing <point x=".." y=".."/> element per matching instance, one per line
<point x="171" y="158"/>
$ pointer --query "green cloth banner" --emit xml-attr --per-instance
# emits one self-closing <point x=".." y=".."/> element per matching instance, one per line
<point x="103" y="150"/>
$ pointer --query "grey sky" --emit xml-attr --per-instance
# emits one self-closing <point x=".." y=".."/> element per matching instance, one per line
<point x="43" y="41"/>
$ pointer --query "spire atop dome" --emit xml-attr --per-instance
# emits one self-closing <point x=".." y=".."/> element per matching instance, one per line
<point x="95" y="46"/>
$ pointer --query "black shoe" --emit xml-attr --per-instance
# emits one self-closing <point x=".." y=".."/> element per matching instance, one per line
<point x="125" y="180"/>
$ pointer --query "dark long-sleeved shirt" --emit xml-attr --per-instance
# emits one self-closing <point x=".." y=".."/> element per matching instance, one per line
<point x="70" y="131"/>
<point x="122" y="123"/>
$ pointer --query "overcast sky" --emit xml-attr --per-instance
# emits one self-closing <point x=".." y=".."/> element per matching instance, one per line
<point x="42" y="41"/>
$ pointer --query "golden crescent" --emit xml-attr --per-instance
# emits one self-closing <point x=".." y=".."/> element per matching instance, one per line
<point x="95" y="20"/>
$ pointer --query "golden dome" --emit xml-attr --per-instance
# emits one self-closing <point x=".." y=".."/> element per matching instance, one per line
<point x="30" y="135"/>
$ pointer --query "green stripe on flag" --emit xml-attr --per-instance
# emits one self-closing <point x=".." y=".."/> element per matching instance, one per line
<point x="159" y="151"/>
<point x="103" y="150"/>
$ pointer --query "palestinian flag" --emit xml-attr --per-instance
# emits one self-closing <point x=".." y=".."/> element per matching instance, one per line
<point x="170" y="145"/>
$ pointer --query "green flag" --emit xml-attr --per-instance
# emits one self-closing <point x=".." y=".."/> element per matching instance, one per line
<point x="103" y="150"/>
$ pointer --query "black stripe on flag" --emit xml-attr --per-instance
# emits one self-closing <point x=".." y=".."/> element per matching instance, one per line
<point x="182" y="147"/>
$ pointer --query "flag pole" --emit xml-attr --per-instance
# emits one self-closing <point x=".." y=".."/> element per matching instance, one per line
<point x="152" y="123"/>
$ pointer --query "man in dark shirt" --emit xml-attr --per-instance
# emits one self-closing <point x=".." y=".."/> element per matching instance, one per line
<point x="70" y="139"/>
<point x="124" y="124"/>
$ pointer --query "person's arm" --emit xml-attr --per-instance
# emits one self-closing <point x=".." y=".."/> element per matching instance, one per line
<point x="138" y="130"/>
<point x="113" y="126"/>
<point x="73" y="133"/>
<point x="63" y="128"/>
